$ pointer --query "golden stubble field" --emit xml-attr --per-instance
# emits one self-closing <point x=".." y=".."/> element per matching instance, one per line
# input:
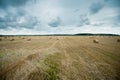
<point x="59" y="58"/>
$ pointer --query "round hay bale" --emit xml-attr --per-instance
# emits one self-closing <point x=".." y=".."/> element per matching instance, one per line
<point x="57" y="39"/>
<point x="28" y="39"/>
<point x="23" y="38"/>
<point x="5" y="37"/>
<point x="96" y="41"/>
<point x="118" y="40"/>
<point x="50" y="38"/>
<point x="0" y="39"/>
<point x="12" y="39"/>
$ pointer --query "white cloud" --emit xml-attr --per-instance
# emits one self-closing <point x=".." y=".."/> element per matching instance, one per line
<point x="63" y="30"/>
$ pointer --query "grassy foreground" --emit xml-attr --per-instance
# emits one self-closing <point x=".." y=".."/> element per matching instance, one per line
<point x="59" y="58"/>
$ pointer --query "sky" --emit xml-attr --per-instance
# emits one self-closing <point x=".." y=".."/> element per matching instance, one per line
<point x="22" y="17"/>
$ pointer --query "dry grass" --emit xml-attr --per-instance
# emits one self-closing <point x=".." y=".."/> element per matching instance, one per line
<point x="60" y="58"/>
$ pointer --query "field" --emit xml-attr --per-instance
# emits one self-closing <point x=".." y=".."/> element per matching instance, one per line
<point x="59" y="58"/>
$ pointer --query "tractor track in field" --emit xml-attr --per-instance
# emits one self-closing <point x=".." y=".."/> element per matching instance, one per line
<point x="67" y="61"/>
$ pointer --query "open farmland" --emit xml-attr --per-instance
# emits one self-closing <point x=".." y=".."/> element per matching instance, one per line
<point x="59" y="58"/>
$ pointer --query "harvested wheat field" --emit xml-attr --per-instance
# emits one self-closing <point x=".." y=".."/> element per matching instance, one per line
<point x="60" y="58"/>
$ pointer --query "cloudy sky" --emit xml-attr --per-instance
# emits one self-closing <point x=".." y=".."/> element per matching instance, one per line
<point x="59" y="16"/>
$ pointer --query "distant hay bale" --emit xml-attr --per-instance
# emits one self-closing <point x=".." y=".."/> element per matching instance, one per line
<point x="0" y="39"/>
<point x="50" y="38"/>
<point x="57" y="39"/>
<point x="118" y="40"/>
<point x="96" y="41"/>
<point x="23" y="38"/>
<point x="28" y="39"/>
<point x="5" y="37"/>
<point x="12" y="39"/>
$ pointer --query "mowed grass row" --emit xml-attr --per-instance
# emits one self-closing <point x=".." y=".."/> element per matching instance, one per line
<point x="60" y="58"/>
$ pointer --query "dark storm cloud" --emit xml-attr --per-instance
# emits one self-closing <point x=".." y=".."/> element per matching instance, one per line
<point x="14" y="13"/>
<point x="84" y="20"/>
<point x="14" y="21"/>
<point x="96" y="7"/>
<point x="3" y="25"/>
<point x="7" y="3"/>
<point x="8" y="18"/>
<point x="55" y="23"/>
<point x="118" y="18"/>
<point x="113" y="3"/>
